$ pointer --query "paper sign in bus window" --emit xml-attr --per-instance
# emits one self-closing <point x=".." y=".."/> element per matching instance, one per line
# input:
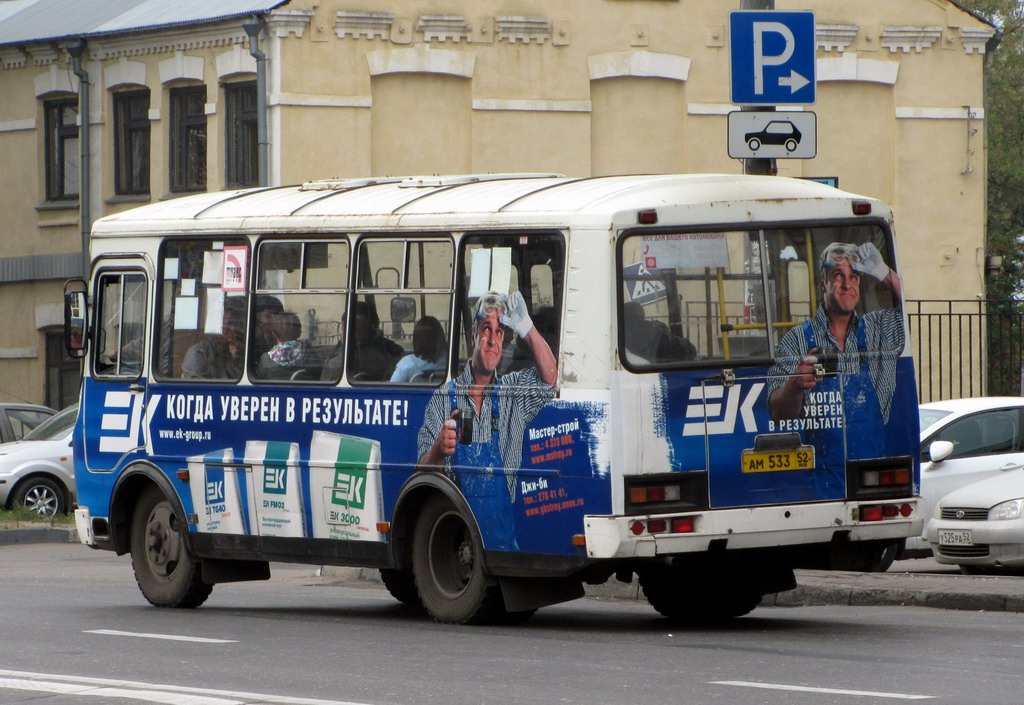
<point x="234" y="267"/>
<point x="491" y="271"/>
<point x="686" y="251"/>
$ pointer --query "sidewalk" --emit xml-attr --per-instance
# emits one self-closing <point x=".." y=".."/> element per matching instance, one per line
<point x="916" y="583"/>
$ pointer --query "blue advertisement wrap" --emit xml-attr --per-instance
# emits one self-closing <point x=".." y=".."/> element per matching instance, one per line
<point x="710" y="426"/>
<point x="322" y="463"/>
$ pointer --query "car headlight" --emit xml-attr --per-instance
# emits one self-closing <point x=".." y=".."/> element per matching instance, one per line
<point x="1013" y="509"/>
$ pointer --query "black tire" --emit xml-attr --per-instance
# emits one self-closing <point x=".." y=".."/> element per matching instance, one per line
<point x="791" y="145"/>
<point x="447" y="562"/>
<point x="674" y="594"/>
<point x="402" y="586"/>
<point x="888" y="557"/>
<point x="41" y="495"/>
<point x="867" y="558"/>
<point x="754" y="144"/>
<point x="165" y="570"/>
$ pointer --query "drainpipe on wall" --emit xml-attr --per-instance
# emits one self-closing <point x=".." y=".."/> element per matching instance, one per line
<point x="75" y="50"/>
<point x="253" y="26"/>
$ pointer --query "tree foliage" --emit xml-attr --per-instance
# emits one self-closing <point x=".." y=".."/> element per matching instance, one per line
<point x="1005" y="146"/>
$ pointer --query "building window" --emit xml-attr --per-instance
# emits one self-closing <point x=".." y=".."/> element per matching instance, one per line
<point x="188" y="139"/>
<point x="131" y="143"/>
<point x="241" y="140"/>
<point x="63" y="373"/>
<point x="62" y="150"/>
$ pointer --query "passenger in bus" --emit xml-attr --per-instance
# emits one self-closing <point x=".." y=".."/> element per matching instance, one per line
<point x="285" y="357"/>
<point x="266" y="310"/>
<point x="429" y="353"/>
<point x="473" y="427"/>
<point x="219" y="356"/>
<point x="373" y="357"/>
<point x="652" y="340"/>
<point x="865" y="346"/>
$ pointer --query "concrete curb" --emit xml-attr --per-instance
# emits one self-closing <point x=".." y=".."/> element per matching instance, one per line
<point x="40" y="534"/>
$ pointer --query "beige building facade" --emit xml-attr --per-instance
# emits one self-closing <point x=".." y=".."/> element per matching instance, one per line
<point x="379" y="87"/>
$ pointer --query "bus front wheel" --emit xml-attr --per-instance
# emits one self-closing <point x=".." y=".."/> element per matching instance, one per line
<point x="165" y="570"/>
<point x="447" y="561"/>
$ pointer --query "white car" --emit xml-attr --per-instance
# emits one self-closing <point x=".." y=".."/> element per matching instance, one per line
<point x="37" y="472"/>
<point x="965" y="441"/>
<point x="981" y="527"/>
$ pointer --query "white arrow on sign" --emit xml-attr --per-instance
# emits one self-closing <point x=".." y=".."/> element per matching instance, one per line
<point x="795" y="81"/>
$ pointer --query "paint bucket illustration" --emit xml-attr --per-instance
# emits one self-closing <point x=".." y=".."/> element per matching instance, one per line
<point x="216" y="497"/>
<point x="275" y="486"/>
<point x="344" y="481"/>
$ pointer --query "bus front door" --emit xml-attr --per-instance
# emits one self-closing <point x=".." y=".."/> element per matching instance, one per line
<point x="115" y="388"/>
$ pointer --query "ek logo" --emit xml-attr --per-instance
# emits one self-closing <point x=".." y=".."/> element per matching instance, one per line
<point x="710" y="415"/>
<point x="275" y="479"/>
<point x="215" y="492"/>
<point x="349" y="489"/>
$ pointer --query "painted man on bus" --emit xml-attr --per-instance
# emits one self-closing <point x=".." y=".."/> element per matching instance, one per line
<point x="473" y="428"/>
<point x="863" y="348"/>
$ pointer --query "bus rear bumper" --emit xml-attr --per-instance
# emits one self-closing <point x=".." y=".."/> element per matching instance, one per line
<point x="748" y="527"/>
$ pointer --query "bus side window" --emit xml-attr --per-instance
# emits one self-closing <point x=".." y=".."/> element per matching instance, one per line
<point x="400" y="331"/>
<point x="202" y="323"/>
<point x="522" y="272"/>
<point x="121" y="324"/>
<point x="299" y="311"/>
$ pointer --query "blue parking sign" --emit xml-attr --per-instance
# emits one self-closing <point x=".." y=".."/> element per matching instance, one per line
<point x="772" y="57"/>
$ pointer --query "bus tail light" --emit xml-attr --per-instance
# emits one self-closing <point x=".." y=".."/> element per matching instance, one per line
<point x="886" y="478"/>
<point x="684" y="525"/>
<point x="883" y="512"/>
<point x="653" y="494"/>
<point x="670" y="525"/>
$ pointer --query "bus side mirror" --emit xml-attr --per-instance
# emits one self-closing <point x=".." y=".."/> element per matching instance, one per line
<point x="940" y="450"/>
<point x="75" y="307"/>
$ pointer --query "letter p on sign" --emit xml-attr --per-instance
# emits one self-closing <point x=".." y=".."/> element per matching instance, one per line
<point x="772" y="57"/>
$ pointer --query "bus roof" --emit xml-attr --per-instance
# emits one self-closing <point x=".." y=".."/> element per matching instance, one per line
<point x="481" y="200"/>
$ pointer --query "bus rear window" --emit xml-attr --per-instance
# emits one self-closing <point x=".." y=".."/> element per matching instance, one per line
<point x="697" y="297"/>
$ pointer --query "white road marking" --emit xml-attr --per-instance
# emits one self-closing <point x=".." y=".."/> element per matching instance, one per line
<point x="168" y="637"/>
<point x="832" y="691"/>
<point x="147" y="692"/>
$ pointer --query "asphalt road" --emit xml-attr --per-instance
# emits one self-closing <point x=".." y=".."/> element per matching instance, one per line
<point x="77" y="631"/>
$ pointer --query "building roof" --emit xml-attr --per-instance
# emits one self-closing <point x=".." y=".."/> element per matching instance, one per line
<point x="29" y="21"/>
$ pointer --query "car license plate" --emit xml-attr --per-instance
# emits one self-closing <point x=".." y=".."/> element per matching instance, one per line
<point x="778" y="460"/>
<point x="949" y="537"/>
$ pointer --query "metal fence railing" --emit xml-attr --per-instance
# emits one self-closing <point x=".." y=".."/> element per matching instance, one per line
<point x="967" y="348"/>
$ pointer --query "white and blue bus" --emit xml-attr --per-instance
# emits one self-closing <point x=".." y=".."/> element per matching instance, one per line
<point x="496" y="389"/>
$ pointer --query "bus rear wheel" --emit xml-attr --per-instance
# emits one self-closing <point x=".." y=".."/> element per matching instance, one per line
<point x="447" y="561"/>
<point x="165" y="570"/>
<point x="674" y="594"/>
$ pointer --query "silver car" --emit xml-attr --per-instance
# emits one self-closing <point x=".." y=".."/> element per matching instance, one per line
<point x="981" y="527"/>
<point x="37" y="472"/>
<point x="18" y="419"/>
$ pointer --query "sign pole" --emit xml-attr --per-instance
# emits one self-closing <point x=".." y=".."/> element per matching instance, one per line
<point x="763" y="167"/>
